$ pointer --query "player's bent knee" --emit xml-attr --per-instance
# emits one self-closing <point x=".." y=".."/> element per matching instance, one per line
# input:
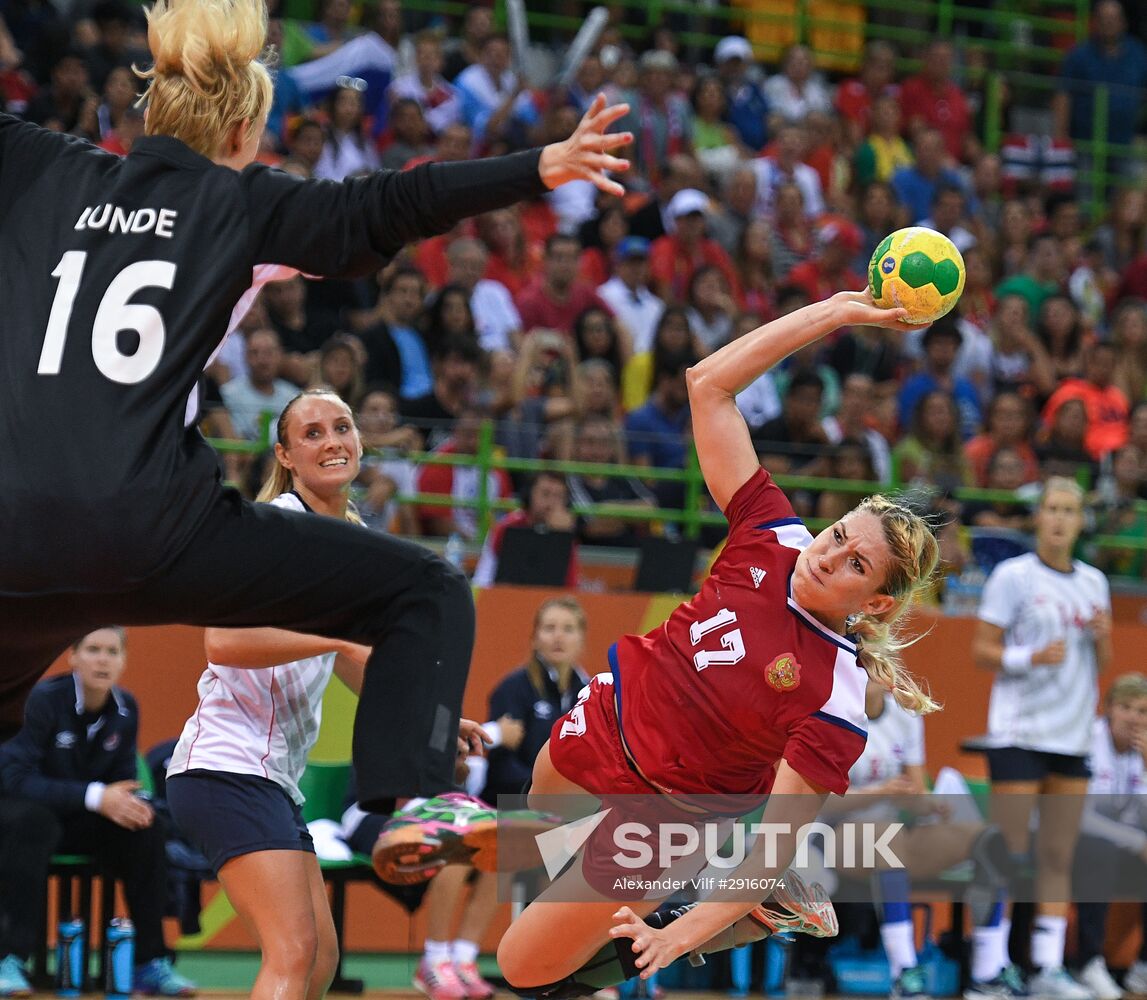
<point x="446" y="583"/>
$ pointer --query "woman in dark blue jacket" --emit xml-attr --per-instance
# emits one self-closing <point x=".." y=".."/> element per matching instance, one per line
<point x="538" y="693"/>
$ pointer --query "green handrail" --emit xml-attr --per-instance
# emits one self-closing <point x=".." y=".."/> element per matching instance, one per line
<point x="692" y="517"/>
<point x="1099" y="151"/>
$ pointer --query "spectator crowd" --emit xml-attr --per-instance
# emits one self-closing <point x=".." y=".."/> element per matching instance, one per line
<point x="756" y="187"/>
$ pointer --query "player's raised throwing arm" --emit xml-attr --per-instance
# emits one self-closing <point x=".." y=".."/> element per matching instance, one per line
<point x="724" y="447"/>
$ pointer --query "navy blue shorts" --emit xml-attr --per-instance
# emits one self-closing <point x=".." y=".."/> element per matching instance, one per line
<point x="1018" y="764"/>
<point x="227" y="815"/>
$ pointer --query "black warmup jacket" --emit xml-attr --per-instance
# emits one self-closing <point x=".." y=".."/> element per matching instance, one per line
<point x="55" y="755"/>
<point x="118" y="277"/>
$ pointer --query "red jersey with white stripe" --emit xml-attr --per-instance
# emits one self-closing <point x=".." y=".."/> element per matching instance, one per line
<point x="741" y="676"/>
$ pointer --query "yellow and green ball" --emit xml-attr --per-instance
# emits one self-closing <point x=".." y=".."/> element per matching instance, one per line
<point x="917" y="269"/>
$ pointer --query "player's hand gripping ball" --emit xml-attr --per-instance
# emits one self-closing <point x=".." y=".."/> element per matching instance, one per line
<point x="917" y="269"/>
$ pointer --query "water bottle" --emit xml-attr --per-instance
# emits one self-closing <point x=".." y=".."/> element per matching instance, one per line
<point x="954" y="595"/>
<point x="70" y="958"/>
<point x="455" y="551"/>
<point x="740" y="971"/>
<point x="119" y="959"/>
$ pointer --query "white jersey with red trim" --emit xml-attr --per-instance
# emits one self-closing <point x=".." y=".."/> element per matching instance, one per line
<point x="741" y="675"/>
<point x="263" y="721"/>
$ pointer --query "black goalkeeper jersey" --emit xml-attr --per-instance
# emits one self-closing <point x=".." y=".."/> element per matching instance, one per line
<point x="117" y="280"/>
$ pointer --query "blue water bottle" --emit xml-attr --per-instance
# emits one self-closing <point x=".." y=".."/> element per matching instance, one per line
<point x="70" y="958"/>
<point x="119" y="960"/>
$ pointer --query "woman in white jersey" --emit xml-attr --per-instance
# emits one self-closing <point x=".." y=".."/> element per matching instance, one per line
<point x="1045" y="632"/>
<point x="233" y="782"/>
<point x="1111" y="858"/>
<point x="887" y="782"/>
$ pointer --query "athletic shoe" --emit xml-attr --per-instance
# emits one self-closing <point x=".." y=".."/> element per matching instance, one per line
<point x="910" y="983"/>
<point x="439" y="980"/>
<point x="797" y="908"/>
<point x="1097" y="979"/>
<point x="609" y="993"/>
<point x="13" y="981"/>
<point x="472" y="982"/>
<point x="1057" y="984"/>
<point x="1136" y="979"/>
<point x="158" y="978"/>
<point x="457" y="829"/>
<point x="1007" y="984"/>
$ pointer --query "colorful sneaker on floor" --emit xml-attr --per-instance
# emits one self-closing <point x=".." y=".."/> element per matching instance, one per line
<point x="13" y="981"/>
<point x="1009" y="983"/>
<point x="158" y="978"/>
<point x="472" y="982"/>
<point x="439" y="980"/>
<point x="459" y="829"/>
<point x="798" y="908"/>
<point x="911" y="983"/>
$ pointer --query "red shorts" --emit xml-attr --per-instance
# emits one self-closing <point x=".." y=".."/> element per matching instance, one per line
<point x="585" y="745"/>
<point x="586" y="748"/>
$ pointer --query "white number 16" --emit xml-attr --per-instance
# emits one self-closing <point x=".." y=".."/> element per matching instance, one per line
<point x="115" y="313"/>
<point x="732" y="644"/>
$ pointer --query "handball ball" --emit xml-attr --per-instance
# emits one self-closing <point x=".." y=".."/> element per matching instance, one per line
<point x="917" y="269"/>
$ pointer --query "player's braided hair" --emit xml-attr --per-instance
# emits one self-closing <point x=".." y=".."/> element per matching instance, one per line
<point x="915" y="554"/>
<point x="207" y="77"/>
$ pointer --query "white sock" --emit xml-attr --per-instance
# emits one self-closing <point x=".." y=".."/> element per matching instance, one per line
<point x="436" y="951"/>
<point x="1048" y="935"/>
<point x="464" y="952"/>
<point x="899" y="945"/>
<point x="988" y="944"/>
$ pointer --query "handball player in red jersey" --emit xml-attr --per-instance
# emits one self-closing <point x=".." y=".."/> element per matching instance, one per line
<point x="755" y="686"/>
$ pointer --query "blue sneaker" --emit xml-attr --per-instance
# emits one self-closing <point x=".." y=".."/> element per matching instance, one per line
<point x="158" y="978"/>
<point x="13" y="981"/>
<point x="911" y="983"/>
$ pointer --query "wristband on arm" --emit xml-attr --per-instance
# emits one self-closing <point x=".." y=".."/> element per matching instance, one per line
<point x="1017" y="659"/>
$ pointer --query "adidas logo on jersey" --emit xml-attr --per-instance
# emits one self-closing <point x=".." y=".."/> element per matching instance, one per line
<point x="757" y="574"/>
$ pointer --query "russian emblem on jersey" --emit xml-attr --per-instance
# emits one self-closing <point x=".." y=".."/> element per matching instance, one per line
<point x="784" y="673"/>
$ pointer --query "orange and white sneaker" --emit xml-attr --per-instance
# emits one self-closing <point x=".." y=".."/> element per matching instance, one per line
<point x="472" y="982"/>
<point x="417" y="842"/>
<point x="439" y="980"/>
<point x="797" y="907"/>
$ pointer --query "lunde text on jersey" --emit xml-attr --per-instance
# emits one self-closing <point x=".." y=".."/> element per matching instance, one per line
<point x="115" y="219"/>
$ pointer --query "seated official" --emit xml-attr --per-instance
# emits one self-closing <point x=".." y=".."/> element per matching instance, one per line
<point x="77" y="755"/>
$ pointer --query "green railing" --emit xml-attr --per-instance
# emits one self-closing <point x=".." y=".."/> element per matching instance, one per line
<point x="1010" y="30"/>
<point x="1097" y="153"/>
<point x="1030" y="39"/>
<point x="691" y="518"/>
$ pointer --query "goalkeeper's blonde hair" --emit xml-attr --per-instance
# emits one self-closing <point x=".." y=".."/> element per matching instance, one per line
<point x="207" y="76"/>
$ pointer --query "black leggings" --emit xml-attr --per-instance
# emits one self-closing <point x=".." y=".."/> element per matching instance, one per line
<point x="29" y="834"/>
<point x="258" y="565"/>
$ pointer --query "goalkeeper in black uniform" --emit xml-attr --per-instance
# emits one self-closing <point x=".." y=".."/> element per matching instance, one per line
<point x="118" y="279"/>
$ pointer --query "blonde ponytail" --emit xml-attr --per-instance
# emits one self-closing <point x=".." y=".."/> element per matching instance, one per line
<point x="206" y="77"/>
<point x="915" y="554"/>
<point x="279" y="480"/>
<point x="878" y="651"/>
